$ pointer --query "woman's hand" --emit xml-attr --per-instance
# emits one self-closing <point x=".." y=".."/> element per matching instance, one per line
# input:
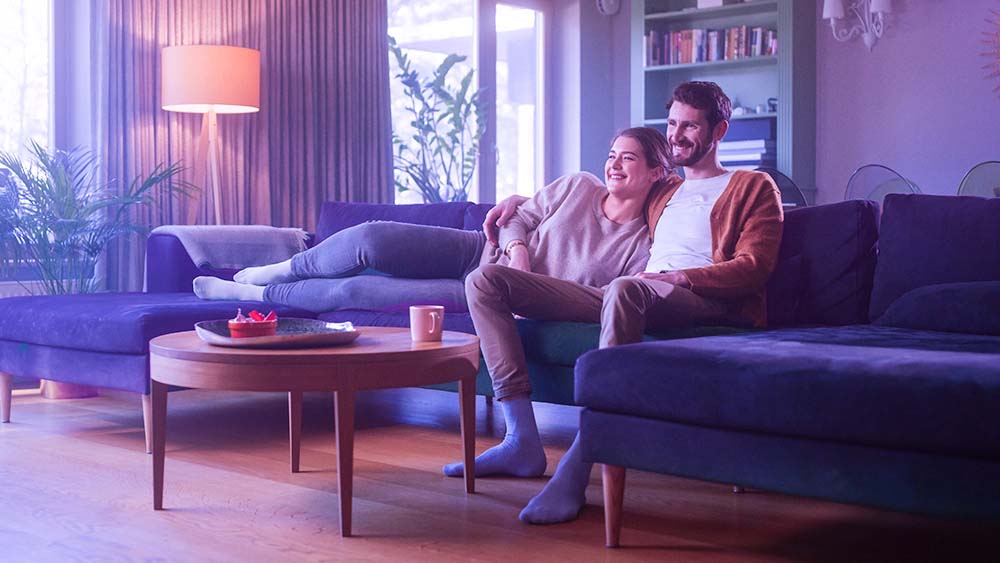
<point x="519" y="259"/>
<point x="498" y="216"/>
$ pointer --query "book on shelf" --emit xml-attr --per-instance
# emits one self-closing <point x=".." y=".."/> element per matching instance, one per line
<point x="764" y="127"/>
<point x="745" y="156"/>
<point x="747" y="145"/>
<point x="751" y="162"/>
<point x="698" y="45"/>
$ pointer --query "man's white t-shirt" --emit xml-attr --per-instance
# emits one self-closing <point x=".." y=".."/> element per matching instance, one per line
<point x="683" y="237"/>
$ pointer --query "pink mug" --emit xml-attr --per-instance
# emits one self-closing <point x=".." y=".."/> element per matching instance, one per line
<point x="426" y="322"/>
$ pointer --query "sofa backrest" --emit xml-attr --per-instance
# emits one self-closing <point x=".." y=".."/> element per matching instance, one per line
<point x="931" y="240"/>
<point x="825" y="266"/>
<point x="475" y="215"/>
<point x="336" y="216"/>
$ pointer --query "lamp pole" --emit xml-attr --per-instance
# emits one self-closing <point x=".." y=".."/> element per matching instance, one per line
<point x="207" y="160"/>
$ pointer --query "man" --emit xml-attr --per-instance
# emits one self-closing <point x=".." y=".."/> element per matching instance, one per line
<point x="715" y="241"/>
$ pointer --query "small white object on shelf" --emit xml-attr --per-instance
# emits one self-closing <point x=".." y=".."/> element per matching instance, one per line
<point x="715" y="3"/>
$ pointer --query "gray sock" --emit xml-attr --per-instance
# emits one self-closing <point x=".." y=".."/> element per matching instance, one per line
<point x="520" y="454"/>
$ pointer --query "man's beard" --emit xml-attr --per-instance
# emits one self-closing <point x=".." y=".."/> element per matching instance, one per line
<point x="699" y="151"/>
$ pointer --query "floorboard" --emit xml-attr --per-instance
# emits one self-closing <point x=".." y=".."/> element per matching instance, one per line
<point x="76" y="485"/>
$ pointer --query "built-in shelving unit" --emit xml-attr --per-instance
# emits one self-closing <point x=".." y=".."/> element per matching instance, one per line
<point x="747" y="62"/>
<point x="750" y="81"/>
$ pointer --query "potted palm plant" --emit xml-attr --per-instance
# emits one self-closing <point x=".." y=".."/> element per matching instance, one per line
<point x="57" y="218"/>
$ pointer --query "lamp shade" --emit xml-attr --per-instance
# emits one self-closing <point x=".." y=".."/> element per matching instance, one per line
<point x="833" y="9"/>
<point x="203" y="78"/>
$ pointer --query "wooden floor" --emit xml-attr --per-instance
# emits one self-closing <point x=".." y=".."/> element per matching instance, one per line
<point x="76" y="485"/>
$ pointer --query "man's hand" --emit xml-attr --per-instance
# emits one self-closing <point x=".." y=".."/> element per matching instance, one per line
<point x="677" y="278"/>
<point x="519" y="258"/>
<point x="498" y="216"/>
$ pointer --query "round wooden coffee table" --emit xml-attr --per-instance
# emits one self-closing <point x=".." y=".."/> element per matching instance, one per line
<point x="381" y="358"/>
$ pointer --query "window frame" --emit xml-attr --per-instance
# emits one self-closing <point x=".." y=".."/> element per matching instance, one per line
<point x="486" y="57"/>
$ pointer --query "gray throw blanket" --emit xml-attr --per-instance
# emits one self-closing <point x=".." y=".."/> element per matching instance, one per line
<point x="230" y="247"/>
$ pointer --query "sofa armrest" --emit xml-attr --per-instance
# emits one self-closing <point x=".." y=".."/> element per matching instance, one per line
<point x="169" y="268"/>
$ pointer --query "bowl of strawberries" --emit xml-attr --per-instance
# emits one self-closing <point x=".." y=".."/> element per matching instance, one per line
<point x="256" y="330"/>
<point x="253" y="324"/>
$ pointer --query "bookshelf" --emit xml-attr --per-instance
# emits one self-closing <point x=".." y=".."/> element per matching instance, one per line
<point x="750" y="79"/>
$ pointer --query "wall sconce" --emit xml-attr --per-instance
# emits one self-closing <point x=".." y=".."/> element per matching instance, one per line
<point x="870" y="16"/>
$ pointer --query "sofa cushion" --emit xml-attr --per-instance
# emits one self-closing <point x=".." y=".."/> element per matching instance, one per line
<point x="870" y="385"/>
<point x="928" y="240"/>
<point x="127" y="372"/>
<point x="120" y="323"/>
<point x="169" y="268"/>
<point x="475" y="214"/>
<point x="950" y="307"/>
<point x="561" y="343"/>
<point x="336" y="216"/>
<point x="825" y="265"/>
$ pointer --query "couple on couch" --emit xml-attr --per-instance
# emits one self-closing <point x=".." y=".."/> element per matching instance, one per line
<point x="644" y="249"/>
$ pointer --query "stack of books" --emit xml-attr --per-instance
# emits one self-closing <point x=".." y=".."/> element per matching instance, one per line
<point x="749" y="144"/>
<point x="705" y="45"/>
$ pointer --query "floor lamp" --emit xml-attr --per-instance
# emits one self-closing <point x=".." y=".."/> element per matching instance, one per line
<point x="210" y="79"/>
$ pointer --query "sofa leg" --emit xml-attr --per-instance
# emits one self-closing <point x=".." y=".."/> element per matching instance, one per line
<point x="147" y="421"/>
<point x="614" y="497"/>
<point x="6" y="388"/>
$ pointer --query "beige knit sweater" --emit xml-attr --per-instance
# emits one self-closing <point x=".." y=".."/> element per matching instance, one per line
<point x="569" y="237"/>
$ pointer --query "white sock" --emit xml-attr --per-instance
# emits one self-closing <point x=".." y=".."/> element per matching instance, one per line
<point x="207" y="287"/>
<point x="264" y="275"/>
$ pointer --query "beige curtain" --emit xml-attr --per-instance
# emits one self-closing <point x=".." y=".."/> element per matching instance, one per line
<point x="323" y="132"/>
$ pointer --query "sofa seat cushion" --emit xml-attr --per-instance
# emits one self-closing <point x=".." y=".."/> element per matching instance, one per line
<point x="120" y="323"/>
<point x="869" y="385"/>
<point x="561" y="343"/>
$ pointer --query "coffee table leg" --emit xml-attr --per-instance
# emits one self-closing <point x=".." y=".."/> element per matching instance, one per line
<point x="159" y="404"/>
<point x="345" y="456"/>
<point x="294" y="428"/>
<point x="467" y="409"/>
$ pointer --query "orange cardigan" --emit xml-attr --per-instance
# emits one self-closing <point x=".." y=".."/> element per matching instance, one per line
<point x="746" y="224"/>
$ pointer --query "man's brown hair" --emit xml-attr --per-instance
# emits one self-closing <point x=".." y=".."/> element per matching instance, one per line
<point x="704" y="96"/>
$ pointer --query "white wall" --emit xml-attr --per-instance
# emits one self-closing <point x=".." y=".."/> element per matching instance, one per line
<point x="589" y="84"/>
<point x="919" y="102"/>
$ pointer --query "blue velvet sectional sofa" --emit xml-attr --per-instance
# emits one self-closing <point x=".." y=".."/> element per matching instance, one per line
<point x="900" y="413"/>
<point x="878" y="383"/>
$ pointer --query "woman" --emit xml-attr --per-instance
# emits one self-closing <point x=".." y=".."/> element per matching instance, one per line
<point x="576" y="229"/>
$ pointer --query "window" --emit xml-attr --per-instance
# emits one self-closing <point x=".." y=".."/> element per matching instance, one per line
<point x="429" y="30"/>
<point x="24" y="74"/>
<point x="519" y="118"/>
